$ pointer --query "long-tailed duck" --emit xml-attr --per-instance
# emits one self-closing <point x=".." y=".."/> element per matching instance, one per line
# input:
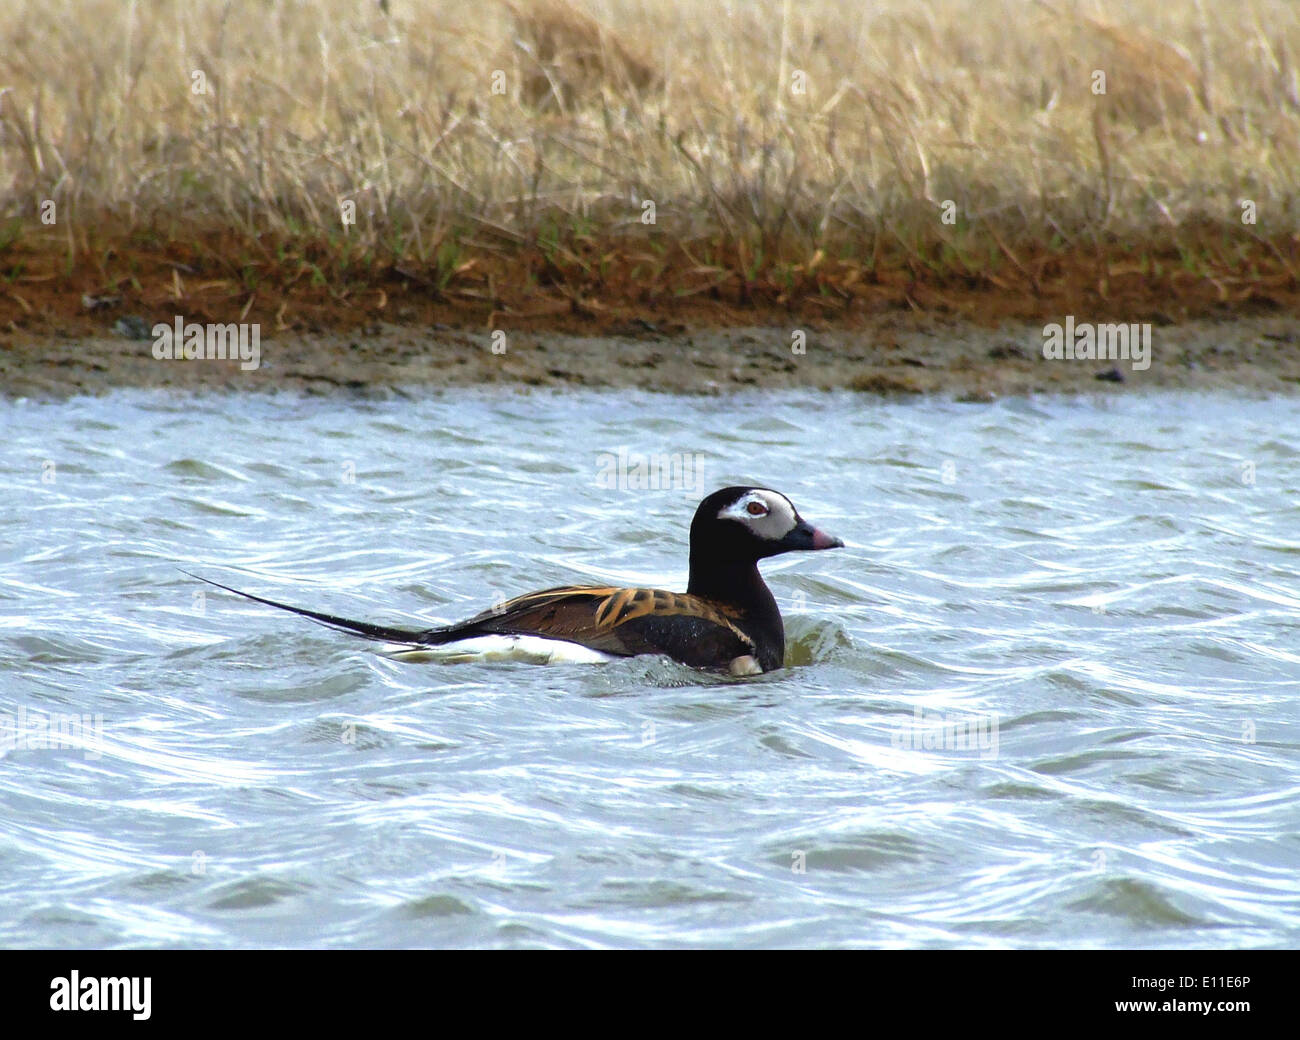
<point x="726" y="619"/>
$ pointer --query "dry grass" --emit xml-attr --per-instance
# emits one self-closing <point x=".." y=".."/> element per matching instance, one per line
<point x="761" y="192"/>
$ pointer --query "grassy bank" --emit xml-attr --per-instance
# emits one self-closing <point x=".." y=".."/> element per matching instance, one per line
<point x="325" y="164"/>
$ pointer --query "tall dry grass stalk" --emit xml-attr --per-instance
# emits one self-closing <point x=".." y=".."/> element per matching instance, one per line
<point x="464" y="130"/>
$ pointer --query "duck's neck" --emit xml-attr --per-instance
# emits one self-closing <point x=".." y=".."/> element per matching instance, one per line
<point x="740" y="586"/>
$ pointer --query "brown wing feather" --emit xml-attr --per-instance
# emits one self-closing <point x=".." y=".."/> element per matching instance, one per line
<point x="598" y="616"/>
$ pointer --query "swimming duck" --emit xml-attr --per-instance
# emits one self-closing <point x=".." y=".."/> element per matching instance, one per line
<point x="726" y="620"/>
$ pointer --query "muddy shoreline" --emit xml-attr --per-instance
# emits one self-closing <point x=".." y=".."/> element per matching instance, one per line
<point x="892" y="354"/>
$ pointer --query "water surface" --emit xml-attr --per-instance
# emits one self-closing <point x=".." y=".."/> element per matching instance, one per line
<point x="1101" y="595"/>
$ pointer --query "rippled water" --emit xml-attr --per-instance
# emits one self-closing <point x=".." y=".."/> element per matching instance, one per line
<point x="1104" y="593"/>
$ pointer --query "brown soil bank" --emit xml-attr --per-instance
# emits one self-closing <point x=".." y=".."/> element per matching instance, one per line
<point x="889" y="354"/>
<point x="379" y="188"/>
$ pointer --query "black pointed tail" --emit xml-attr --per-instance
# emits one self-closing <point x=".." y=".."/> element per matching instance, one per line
<point x="384" y="633"/>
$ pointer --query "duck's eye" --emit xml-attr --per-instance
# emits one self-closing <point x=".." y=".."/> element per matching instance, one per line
<point x="756" y="509"/>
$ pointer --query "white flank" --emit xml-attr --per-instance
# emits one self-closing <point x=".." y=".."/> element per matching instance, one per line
<point x="530" y="649"/>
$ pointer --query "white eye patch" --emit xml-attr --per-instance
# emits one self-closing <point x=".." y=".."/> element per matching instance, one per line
<point x="768" y="514"/>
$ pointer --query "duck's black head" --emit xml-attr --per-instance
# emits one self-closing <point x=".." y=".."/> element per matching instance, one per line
<point x="733" y="529"/>
<point x="746" y="524"/>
